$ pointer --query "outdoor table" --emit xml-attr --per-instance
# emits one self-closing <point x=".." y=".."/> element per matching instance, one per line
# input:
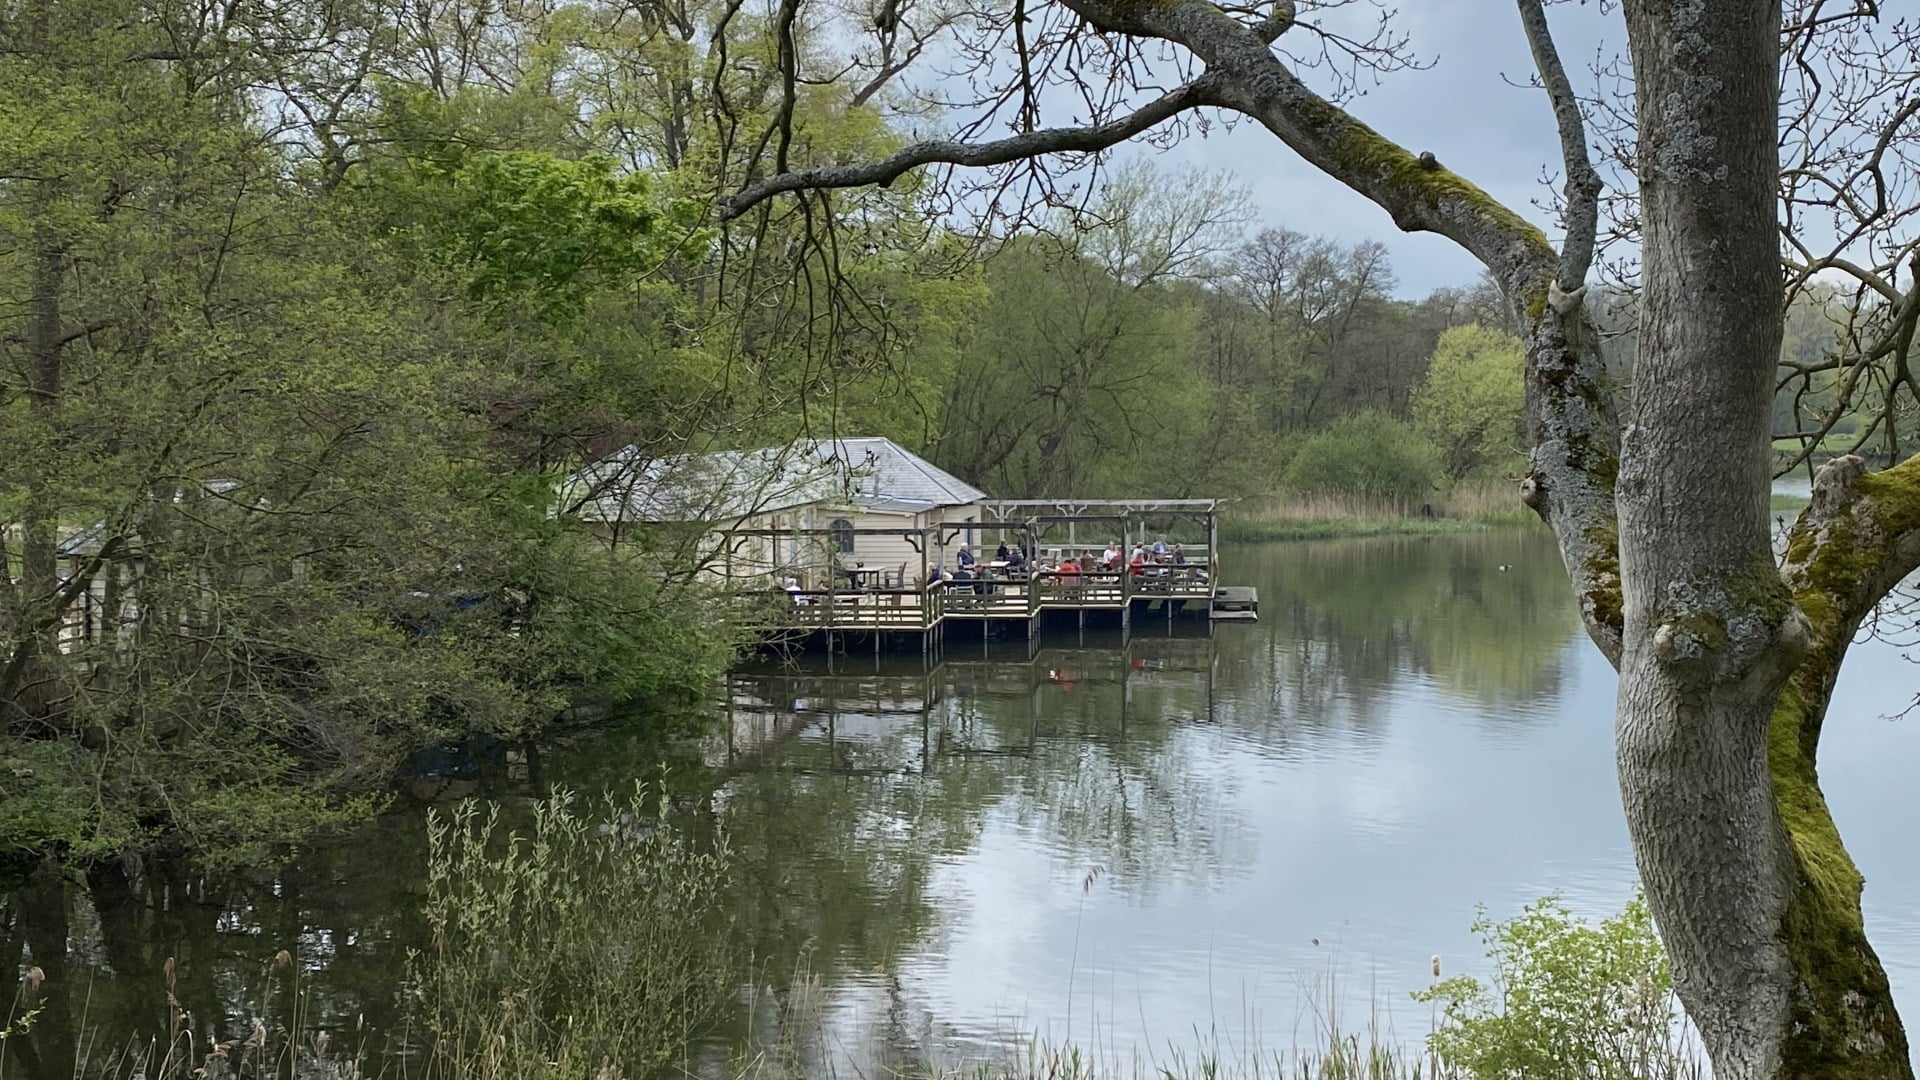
<point x="863" y="576"/>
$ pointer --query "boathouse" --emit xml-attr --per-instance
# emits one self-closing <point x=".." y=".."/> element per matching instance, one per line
<point x="829" y="538"/>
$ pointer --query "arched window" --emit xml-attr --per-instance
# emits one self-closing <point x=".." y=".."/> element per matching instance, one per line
<point x="842" y="531"/>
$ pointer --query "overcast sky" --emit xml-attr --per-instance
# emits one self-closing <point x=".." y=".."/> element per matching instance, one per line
<point x="1464" y="109"/>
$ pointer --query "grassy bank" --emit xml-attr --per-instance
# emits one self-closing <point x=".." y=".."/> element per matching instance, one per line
<point x="1334" y="517"/>
<point x="1469" y="508"/>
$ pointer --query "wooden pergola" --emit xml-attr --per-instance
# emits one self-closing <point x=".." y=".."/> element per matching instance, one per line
<point x="1138" y="519"/>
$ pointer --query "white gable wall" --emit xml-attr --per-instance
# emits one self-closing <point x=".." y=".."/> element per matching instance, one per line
<point x="888" y="552"/>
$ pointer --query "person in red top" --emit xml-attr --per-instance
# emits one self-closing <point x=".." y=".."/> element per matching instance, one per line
<point x="1139" y="563"/>
<point x="1068" y="574"/>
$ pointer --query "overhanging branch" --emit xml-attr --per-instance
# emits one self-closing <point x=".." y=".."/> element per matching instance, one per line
<point x="1081" y="140"/>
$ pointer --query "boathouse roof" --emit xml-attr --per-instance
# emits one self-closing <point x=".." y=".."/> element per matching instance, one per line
<point x="869" y="473"/>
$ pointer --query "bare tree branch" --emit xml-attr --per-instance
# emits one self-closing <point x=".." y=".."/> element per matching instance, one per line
<point x="1583" y="181"/>
<point x="1202" y="91"/>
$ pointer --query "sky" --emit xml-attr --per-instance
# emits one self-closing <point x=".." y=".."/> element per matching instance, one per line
<point x="1466" y="109"/>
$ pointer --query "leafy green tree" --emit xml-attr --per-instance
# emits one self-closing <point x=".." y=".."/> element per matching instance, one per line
<point x="1472" y="402"/>
<point x="1366" y="455"/>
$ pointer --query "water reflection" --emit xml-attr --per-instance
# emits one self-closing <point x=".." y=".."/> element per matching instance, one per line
<point x="1105" y="839"/>
<point x="105" y="939"/>
<point x="1486" y="617"/>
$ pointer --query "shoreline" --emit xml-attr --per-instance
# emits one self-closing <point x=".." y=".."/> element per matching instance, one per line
<point x="1244" y="531"/>
<point x="1285" y="530"/>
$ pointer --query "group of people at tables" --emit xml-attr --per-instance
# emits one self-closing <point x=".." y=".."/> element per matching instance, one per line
<point x="1012" y="561"/>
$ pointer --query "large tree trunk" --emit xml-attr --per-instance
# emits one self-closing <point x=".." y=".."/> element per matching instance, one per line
<point x="1710" y="633"/>
<point x="28" y="687"/>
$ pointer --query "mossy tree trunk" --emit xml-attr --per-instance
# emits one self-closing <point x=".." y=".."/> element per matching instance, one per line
<point x="1853" y="544"/>
<point x="1756" y="899"/>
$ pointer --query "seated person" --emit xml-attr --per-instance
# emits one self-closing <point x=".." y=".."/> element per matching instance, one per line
<point x="1139" y="564"/>
<point x="937" y="576"/>
<point x="1002" y="553"/>
<point x="792" y="588"/>
<point x="964" y="560"/>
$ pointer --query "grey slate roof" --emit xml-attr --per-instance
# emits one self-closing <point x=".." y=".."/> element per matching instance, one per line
<point x="886" y="470"/>
<point x="82" y="542"/>
<point x="871" y="472"/>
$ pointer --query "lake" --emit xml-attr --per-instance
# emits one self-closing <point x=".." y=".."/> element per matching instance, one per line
<point x="1118" y="843"/>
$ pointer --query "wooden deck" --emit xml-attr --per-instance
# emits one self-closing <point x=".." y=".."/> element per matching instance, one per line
<point x="1019" y="600"/>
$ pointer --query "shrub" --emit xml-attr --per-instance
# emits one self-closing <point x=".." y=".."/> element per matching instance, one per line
<point x="580" y="949"/>
<point x="1366" y="454"/>
<point x="1570" y="1001"/>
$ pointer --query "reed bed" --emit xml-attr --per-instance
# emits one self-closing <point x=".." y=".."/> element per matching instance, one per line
<point x="1470" y="507"/>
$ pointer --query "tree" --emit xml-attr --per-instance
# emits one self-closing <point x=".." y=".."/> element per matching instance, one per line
<point x="1318" y="298"/>
<point x="1369" y="455"/>
<point x="1080" y="376"/>
<point x="1473" y="399"/>
<point x="1725" y="662"/>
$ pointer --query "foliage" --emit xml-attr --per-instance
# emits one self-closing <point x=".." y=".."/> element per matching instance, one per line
<point x="1569" y="1001"/>
<point x="1367" y="454"/>
<point x="581" y="948"/>
<point x="1471" y="403"/>
<point x="595" y="618"/>
<point x="297" y="426"/>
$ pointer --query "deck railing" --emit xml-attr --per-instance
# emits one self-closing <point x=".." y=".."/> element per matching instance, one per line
<point x="905" y="609"/>
<point x="1015" y="597"/>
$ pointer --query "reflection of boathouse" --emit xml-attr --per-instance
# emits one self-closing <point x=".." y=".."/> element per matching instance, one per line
<point x="886" y="721"/>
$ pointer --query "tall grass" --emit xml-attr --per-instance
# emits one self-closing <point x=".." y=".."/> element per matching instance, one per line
<point x="279" y="1041"/>
<point x="591" y="946"/>
<point x="1469" y="507"/>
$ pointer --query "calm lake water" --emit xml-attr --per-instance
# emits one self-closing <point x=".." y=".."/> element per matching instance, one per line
<point x="1117" y="843"/>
